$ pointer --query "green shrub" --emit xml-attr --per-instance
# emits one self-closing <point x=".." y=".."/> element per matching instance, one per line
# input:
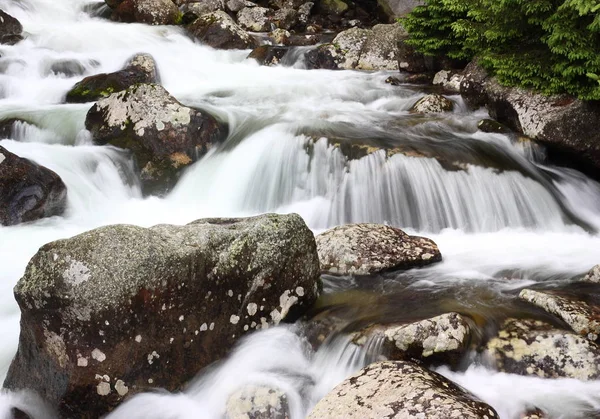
<point x="552" y="46"/>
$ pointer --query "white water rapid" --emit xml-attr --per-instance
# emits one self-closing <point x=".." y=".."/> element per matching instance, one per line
<point x="493" y="207"/>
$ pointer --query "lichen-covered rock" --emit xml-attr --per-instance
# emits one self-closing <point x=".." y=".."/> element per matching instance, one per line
<point x="152" y="12"/>
<point x="433" y="103"/>
<point x="491" y="126"/>
<point x="122" y="309"/>
<point x="235" y="6"/>
<point x="532" y="347"/>
<point x="198" y="9"/>
<point x="218" y="30"/>
<point x="593" y="275"/>
<point x="333" y="7"/>
<point x="256" y="19"/>
<point x="363" y="249"/>
<point x="583" y="318"/>
<point x="441" y="339"/>
<point x="285" y="18"/>
<point x="268" y="55"/>
<point x="399" y="389"/>
<point x="395" y="9"/>
<point x="141" y="68"/>
<point x="28" y="191"/>
<point x="257" y="402"/>
<point x="448" y="80"/>
<point x="559" y="121"/>
<point x="164" y="135"/>
<point x="10" y="29"/>
<point x="280" y="36"/>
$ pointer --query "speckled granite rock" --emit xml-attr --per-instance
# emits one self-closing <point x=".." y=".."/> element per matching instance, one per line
<point x="433" y="103"/>
<point x="256" y="19"/>
<point x="219" y="30"/>
<point x="164" y="135"/>
<point x="531" y="347"/>
<point x="593" y="275"/>
<point x="362" y="249"/>
<point x="152" y="12"/>
<point x="399" y="389"/>
<point x="257" y="402"/>
<point x="121" y="309"/>
<point x="441" y="339"/>
<point x="580" y="316"/>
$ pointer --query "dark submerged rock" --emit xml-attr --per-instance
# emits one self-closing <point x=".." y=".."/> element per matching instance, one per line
<point x="163" y="135"/>
<point x="121" y="309"/>
<point x="28" y="191"/>
<point x="10" y="29"/>
<point x="268" y="55"/>
<point x="491" y="126"/>
<point x="400" y="389"/>
<point x="363" y="249"/>
<point x="141" y="68"/>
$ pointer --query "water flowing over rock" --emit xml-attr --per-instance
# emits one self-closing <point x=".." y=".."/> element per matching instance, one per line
<point x="28" y="191"/>
<point x="433" y="104"/>
<point x="559" y="121"/>
<point x="141" y="68"/>
<point x="219" y="30"/>
<point x="257" y="402"/>
<point x="398" y="389"/>
<point x="363" y="249"/>
<point x="583" y="318"/>
<point x="532" y="347"/>
<point x="268" y="55"/>
<point x="10" y="29"/>
<point x="120" y="309"/>
<point x="164" y="135"/>
<point x="152" y="12"/>
<point x="441" y="339"/>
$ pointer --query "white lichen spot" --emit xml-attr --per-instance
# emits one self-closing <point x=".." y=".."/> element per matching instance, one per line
<point x="55" y="257"/>
<point x="138" y="338"/>
<point x="204" y="327"/>
<point x="171" y="340"/>
<point x="164" y="307"/>
<point x="230" y="293"/>
<point x="98" y="355"/>
<point x="103" y="389"/>
<point x="234" y="319"/>
<point x="152" y="356"/>
<point x="55" y="345"/>
<point x="245" y="328"/>
<point x="211" y="327"/>
<point x="82" y="361"/>
<point x="121" y="388"/>
<point x="300" y="291"/>
<point x="2" y="158"/>
<point x="76" y="273"/>
<point x="252" y="309"/>
<point x="181" y="318"/>
<point x="150" y="380"/>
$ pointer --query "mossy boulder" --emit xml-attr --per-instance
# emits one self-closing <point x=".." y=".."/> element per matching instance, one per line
<point x="123" y="309"/>
<point x="164" y="135"/>
<point x="141" y="68"/>
<point x="28" y="191"/>
<point x="219" y="30"/>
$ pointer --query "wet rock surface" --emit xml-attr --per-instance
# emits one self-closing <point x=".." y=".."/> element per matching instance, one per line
<point x="28" y="191"/>
<point x="362" y="249"/>
<point x="440" y="339"/>
<point x="449" y="80"/>
<point x="268" y="55"/>
<point x="141" y="68"/>
<point x="152" y="12"/>
<point x="121" y="309"/>
<point x="583" y="318"/>
<point x="399" y="389"/>
<point x="10" y="29"/>
<point x="257" y="402"/>
<point x="433" y="103"/>
<point x="532" y="347"/>
<point x="219" y="30"/>
<point x="163" y="135"/>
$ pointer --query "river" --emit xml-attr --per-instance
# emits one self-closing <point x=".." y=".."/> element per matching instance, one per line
<point x="503" y="219"/>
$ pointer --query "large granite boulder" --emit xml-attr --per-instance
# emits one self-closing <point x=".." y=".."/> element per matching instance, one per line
<point x="141" y="68"/>
<point x="10" y="29"/>
<point x="256" y="19"/>
<point x="400" y="389"/>
<point x="152" y="12"/>
<point x="122" y="309"/>
<point x="433" y="103"/>
<point x="559" y="121"/>
<point x="532" y="347"/>
<point x="582" y="317"/>
<point x="164" y="135"/>
<point x="363" y="249"/>
<point x="219" y="30"/>
<point x="28" y="191"/>
<point x="442" y="339"/>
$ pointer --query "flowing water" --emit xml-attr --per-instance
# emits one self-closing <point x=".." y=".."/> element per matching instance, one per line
<point x="502" y="217"/>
